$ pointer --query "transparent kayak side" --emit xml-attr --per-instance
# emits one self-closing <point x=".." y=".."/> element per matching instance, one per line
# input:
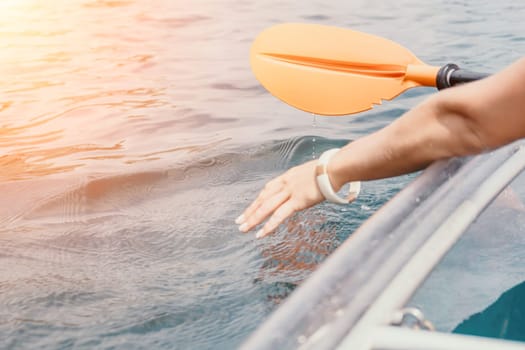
<point x="354" y="297"/>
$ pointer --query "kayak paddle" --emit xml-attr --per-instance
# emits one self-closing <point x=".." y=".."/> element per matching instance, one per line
<point x="334" y="71"/>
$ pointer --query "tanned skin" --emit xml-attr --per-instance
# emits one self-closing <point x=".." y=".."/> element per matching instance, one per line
<point x="459" y="121"/>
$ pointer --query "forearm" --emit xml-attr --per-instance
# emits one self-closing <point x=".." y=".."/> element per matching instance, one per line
<point x="455" y="122"/>
<point x="409" y="144"/>
<point x="461" y="121"/>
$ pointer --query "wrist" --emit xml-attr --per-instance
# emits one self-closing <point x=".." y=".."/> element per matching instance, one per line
<point x="336" y="172"/>
<point x="328" y="188"/>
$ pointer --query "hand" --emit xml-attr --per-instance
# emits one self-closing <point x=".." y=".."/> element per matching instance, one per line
<point x="293" y="191"/>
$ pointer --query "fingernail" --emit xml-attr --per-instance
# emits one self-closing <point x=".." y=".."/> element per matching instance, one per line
<point x="240" y="219"/>
<point x="243" y="227"/>
<point x="259" y="234"/>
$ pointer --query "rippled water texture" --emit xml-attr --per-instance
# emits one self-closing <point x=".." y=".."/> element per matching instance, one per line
<point x="132" y="133"/>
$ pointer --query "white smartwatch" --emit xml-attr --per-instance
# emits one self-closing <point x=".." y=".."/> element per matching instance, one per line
<point x="323" y="181"/>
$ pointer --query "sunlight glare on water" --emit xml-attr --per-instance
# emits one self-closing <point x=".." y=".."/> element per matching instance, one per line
<point x="132" y="133"/>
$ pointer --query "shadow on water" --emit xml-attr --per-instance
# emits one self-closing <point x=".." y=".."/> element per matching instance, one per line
<point x="65" y="198"/>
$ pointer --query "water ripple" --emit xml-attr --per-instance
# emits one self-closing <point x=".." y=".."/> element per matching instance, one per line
<point x="133" y="132"/>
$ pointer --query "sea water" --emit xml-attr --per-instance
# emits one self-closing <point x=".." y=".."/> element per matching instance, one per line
<point x="132" y="133"/>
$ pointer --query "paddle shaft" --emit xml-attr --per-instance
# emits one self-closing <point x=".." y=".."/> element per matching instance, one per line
<point x="451" y="75"/>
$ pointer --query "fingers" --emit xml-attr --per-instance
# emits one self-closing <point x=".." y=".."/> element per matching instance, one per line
<point x="294" y="190"/>
<point x="265" y="207"/>
<point x="281" y="214"/>
<point x="270" y="189"/>
<point x="273" y="200"/>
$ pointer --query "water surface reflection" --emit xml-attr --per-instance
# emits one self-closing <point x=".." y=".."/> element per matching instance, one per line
<point x="132" y="132"/>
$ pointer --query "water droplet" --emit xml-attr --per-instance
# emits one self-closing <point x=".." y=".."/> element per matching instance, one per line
<point x="314" y="125"/>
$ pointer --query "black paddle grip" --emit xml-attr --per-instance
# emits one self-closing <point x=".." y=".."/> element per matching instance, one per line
<point x="450" y="75"/>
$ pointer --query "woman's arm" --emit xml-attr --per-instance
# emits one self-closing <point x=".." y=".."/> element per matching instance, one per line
<point x="459" y="121"/>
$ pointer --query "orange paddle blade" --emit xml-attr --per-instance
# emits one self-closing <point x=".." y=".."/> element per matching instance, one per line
<point x="334" y="71"/>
